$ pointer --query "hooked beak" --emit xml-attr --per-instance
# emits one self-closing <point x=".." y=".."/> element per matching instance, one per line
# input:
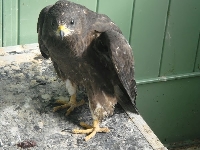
<point x="63" y="31"/>
<point x="62" y="34"/>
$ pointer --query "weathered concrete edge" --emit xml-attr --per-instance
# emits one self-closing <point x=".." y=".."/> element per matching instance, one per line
<point x="136" y="119"/>
<point x="143" y="127"/>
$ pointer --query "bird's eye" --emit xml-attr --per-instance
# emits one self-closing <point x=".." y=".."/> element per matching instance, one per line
<point x="53" y="24"/>
<point x="72" y="21"/>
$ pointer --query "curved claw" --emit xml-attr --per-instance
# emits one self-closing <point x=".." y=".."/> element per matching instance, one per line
<point x="91" y="130"/>
<point x="71" y="104"/>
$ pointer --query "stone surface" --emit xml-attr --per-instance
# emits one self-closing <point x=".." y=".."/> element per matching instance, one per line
<point x="28" y="90"/>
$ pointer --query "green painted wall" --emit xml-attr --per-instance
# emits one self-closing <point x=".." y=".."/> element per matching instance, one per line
<point x="148" y="28"/>
<point x="181" y="38"/>
<point x="28" y="15"/>
<point x="165" y="37"/>
<point x="172" y="108"/>
<point x="10" y="22"/>
<point x="197" y="60"/>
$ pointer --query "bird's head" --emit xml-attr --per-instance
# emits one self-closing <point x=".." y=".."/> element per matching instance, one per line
<point x="64" y="20"/>
<point x="64" y="29"/>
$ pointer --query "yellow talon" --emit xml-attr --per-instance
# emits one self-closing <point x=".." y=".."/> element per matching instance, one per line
<point x="71" y="104"/>
<point x="91" y="130"/>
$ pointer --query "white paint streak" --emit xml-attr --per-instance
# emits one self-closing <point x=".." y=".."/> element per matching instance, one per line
<point x="169" y="37"/>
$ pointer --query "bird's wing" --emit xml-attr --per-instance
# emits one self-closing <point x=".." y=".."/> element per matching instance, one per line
<point x="44" y="51"/>
<point x="102" y="23"/>
<point x="121" y="56"/>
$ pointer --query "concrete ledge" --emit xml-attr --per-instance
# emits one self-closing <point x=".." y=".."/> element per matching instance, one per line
<point x="28" y="89"/>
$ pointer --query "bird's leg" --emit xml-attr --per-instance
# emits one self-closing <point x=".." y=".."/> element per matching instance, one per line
<point x="91" y="130"/>
<point x="71" y="104"/>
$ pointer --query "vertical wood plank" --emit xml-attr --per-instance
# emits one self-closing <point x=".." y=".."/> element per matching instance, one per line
<point x="29" y="11"/>
<point x="119" y="11"/>
<point x="197" y="59"/>
<point x="10" y="22"/>
<point x="91" y="4"/>
<point x="147" y="34"/>
<point x="181" y="37"/>
<point x="1" y="22"/>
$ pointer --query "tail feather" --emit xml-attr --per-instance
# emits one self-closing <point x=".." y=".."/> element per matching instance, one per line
<point x="125" y="101"/>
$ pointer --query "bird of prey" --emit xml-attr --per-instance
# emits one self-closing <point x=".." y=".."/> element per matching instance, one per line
<point x="88" y="49"/>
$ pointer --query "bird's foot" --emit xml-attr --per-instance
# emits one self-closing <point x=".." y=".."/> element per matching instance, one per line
<point x="91" y="130"/>
<point x="71" y="104"/>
